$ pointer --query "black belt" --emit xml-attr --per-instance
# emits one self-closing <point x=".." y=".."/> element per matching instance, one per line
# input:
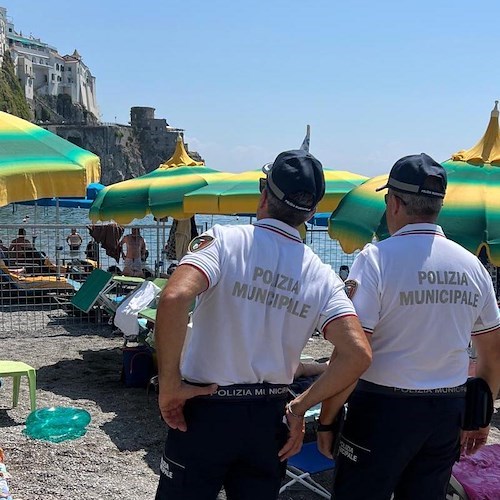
<point x="453" y="392"/>
<point x="246" y="392"/>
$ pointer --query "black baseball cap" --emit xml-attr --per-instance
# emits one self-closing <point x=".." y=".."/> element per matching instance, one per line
<point x="296" y="171"/>
<point x="409" y="175"/>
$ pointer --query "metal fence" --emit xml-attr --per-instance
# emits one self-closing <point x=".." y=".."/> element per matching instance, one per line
<point x="36" y="287"/>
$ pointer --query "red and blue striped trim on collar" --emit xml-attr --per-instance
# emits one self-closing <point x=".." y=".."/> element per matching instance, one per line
<point x="420" y="229"/>
<point x="280" y="228"/>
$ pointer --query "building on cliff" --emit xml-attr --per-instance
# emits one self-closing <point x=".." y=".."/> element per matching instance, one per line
<point x="61" y="92"/>
<point x="42" y="71"/>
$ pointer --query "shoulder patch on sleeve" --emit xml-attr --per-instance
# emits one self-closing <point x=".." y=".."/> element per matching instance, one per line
<point x="350" y="287"/>
<point x="200" y="242"/>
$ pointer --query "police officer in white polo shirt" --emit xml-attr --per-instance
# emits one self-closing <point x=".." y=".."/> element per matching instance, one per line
<point x="261" y="293"/>
<point x="419" y="297"/>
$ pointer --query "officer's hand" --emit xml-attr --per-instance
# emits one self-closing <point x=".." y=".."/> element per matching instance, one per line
<point x="325" y="443"/>
<point x="471" y="441"/>
<point x="293" y="445"/>
<point x="171" y="402"/>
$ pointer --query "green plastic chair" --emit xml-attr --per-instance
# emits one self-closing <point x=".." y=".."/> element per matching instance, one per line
<point x="16" y="369"/>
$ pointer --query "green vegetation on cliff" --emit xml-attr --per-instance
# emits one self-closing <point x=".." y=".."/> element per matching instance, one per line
<point x="12" y="98"/>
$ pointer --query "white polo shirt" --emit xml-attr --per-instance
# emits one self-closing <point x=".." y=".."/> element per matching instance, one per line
<point x="420" y="296"/>
<point x="267" y="293"/>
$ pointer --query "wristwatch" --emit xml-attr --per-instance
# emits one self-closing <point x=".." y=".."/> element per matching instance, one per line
<point x="324" y="427"/>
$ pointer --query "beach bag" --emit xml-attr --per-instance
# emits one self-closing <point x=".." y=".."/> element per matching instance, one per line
<point x="137" y="367"/>
<point x="478" y="404"/>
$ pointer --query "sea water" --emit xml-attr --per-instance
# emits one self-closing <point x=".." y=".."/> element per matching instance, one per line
<point x="155" y="236"/>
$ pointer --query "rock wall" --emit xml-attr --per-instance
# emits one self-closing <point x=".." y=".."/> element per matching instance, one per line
<point x="126" y="152"/>
<point x="60" y="109"/>
<point x="117" y="146"/>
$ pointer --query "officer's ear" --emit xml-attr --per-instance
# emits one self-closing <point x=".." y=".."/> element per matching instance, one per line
<point x="263" y="199"/>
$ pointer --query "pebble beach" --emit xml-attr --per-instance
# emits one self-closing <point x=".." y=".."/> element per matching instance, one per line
<point x="119" y="456"/>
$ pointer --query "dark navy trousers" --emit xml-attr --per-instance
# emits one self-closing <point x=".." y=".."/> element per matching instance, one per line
<point x="232" y="444"/>
<point x="402" y="445"/>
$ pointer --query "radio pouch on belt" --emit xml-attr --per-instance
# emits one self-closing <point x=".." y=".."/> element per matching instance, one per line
<point x="478" y="404"/>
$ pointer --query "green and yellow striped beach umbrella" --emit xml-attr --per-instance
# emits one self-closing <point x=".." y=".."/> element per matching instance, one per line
<point x="471" y="210"/>
<point x="159" y="192"/>
<point x="35" y="163"/>
<point x="239" y="194"/>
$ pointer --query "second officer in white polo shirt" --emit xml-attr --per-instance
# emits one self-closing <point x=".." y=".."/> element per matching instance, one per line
<point x="261" y="294"/>
<point x="419" y="297"/>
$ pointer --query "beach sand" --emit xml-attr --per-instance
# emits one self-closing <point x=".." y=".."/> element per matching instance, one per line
<point x="119" y="455"/>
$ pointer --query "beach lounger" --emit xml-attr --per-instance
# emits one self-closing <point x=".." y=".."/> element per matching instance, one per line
<point x="91" y="292"/>
<point x="104" y="289"/>
<point x="149" y="314"/>
<point x="15" y="284"/>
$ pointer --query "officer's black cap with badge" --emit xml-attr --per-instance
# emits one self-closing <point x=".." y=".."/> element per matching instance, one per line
<point x="293" y="172"/>
<point x="410" y="173"/>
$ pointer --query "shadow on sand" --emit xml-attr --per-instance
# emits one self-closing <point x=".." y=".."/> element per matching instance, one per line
<point x="136" y="423"/>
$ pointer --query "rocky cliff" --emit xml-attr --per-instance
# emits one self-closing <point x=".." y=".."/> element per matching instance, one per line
<point x="117" y="146"/>
<point x="12" y="98"/>
<point x="126" y="151"/>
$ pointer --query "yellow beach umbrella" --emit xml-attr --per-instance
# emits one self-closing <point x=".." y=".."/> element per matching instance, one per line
<point x="35" y="163"/>
<point x="159" y="192"/>
<point x="239" y="194"/>
<point x="471" y="211"/>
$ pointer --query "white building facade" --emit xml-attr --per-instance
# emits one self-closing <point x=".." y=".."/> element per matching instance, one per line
<point x="43" y="71"/>
<point x="3" y="30"/>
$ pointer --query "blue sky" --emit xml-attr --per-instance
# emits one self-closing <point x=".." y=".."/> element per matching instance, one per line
<point x="375" y="80"/>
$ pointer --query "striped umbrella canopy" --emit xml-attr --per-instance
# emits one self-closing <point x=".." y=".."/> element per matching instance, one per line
<point x="471" y="210"/>
<point x="159" y="192"/>
<point x="239" y="194"/>
<point x="35" y="163"/>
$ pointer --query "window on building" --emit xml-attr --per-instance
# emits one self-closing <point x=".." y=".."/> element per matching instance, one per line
<point x="69" y="69"/>
<point x="57" y="67"/>
<point x="52" y="77"/>
<point x="45" y="78"/>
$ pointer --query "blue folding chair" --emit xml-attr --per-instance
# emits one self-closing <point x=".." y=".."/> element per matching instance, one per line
<point x="308" y="461"/>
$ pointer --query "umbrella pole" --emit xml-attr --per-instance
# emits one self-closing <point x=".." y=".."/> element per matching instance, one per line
<point x="58" y="246"/>
<point x="163" y="243"/>
<point x="34" y="234"/>
<point x="158" y="256"/>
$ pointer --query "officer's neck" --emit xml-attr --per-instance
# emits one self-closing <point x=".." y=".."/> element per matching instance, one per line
<point x="404" y="219"/>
